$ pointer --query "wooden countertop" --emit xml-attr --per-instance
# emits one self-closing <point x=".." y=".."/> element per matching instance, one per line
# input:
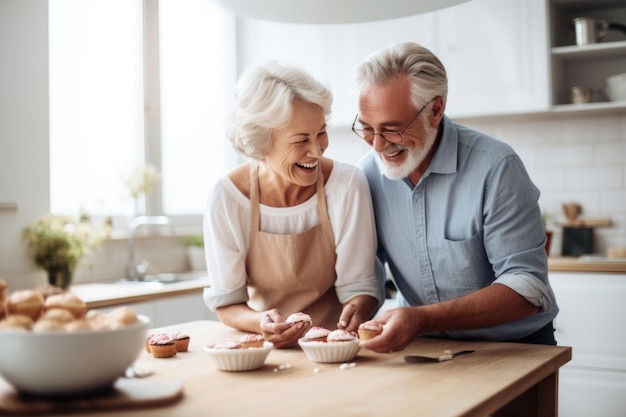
<point x="586" y="264"/>
<point x="477" y="384"/>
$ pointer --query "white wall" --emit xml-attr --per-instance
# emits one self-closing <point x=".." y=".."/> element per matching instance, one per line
<point x="23" y="130"/>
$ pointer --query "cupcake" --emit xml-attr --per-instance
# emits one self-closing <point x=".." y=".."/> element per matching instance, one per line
<point x="299" y="317"/>
<point x="182" y="341"/>
<point x="147" y="344"/>
<point x="341" y="335"/>
<point x="162" y="346"/>
<point x="67" y="301"/>
<point x="25" y="302"/>
<point x="227" y="344"/>
<point x="370" y="329"/>
<point x="251" y="340"/>
<point x="316" y="334"/>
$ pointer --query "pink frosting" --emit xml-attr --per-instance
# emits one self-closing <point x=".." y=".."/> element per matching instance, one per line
<point x="227" y="344"/>
<point x="340" y="335"/>
<point x="315" y="332"/>
<point x="251" y="337"/>
<point x="372" y="325"/>
<point x="179" y="336"/>
<point x="296" y="317"/>
<point x="160" y="339"/>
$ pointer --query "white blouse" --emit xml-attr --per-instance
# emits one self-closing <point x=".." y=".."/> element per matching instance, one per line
<point x="227" y="235"/>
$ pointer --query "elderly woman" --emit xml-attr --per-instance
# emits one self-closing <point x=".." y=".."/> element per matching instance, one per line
<point x="290" y="230"/>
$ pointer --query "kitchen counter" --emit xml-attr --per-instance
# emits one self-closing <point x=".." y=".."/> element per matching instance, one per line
<point x="586" y="264"/>
<point x="497" y="376"/>
<point x="110" y="294"/>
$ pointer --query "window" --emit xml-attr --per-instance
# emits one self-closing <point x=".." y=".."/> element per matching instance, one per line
<point x="97" y="130"/>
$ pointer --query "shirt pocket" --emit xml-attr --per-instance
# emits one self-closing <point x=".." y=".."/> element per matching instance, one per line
<point x="462" y="267"/>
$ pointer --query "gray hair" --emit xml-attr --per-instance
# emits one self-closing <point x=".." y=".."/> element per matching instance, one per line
<point x="425" y="71"/>
<point x="264" y="100"/>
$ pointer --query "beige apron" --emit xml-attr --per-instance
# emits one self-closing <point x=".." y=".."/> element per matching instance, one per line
<point x="293" y="273"/>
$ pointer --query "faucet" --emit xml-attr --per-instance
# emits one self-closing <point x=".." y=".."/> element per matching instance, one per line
<point x="136" y="271"/>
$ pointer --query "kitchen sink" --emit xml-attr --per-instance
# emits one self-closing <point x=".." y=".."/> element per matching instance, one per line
<point x="162" y="278"/>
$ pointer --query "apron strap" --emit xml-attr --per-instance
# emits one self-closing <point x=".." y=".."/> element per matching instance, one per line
<point x="255" y="224"/>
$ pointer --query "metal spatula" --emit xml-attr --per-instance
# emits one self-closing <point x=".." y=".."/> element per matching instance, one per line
<point x="447" y="355"/>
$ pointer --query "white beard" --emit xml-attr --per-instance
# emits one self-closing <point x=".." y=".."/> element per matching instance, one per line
<point x="414" y="158"/>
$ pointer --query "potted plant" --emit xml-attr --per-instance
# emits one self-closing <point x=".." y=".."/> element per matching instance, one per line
<point x="58" y="243"/>
<point x="195" y="252"/>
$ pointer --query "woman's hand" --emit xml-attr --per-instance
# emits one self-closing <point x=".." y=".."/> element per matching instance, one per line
<point x="282" y="334"/>
<point x="356" y="311"/>
<point x="351" y="317"/>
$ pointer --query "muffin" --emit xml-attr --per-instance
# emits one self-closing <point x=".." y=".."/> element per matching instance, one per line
<point x="251" y="340"/>
<point x="299" y="317"/>
<point x="370" y="329"/>
<point x="67" y="301"/>
<point x="340" y="335"/>
<point x="162" y="346"/>
<point x="46" y="290"/>
<point x="182" y="341"/>
<point x="25" y="302"/>
<point x="316" y="334"/>
<point x="79" y="325"/>
<point x="46" y="326"/>
<point x="121" y="317"/>
<point x="17" y="321"/>
<point x="57" y="315"/>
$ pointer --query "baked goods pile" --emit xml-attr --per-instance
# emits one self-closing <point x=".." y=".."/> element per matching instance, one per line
<point x="50" y="309"/>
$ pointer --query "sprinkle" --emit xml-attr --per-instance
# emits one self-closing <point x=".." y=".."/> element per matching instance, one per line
<point x="345" y="366"/>
<point x="282" y="367"/>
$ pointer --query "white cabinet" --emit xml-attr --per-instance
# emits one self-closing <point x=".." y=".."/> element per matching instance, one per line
<point x="171" y="310"/>
<point x="592" y="308"/>
<point x="495" y="52"/>
<point x="585" y="65"/>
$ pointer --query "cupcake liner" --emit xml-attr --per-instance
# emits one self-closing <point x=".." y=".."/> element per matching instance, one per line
<point x="329" y="352"/>
<point x="239" y="359"/>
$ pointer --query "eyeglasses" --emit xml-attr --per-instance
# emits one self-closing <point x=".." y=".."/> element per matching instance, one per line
<point x="392" y="136"/>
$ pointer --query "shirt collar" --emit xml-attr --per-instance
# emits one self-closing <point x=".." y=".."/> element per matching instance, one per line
<point x="445" y="159"/>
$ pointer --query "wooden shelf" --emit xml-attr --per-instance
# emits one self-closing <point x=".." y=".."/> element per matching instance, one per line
<point x="594" y="51"/>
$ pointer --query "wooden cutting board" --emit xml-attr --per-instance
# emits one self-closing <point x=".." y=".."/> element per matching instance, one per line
<point x="126" y="393"/>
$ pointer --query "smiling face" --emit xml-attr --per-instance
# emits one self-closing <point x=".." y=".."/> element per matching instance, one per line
<point x="388" y="107"/>
<point x="297" y="148"/>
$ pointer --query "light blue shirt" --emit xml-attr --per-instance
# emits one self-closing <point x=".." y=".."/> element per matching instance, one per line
<point x="471" y="221"/>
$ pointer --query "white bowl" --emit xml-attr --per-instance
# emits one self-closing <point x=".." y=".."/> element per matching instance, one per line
<point x="239" y="359"/>
<point x="329" y="352"/>
<point x="69" y="363"/>
<point x="616" y="87"/>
